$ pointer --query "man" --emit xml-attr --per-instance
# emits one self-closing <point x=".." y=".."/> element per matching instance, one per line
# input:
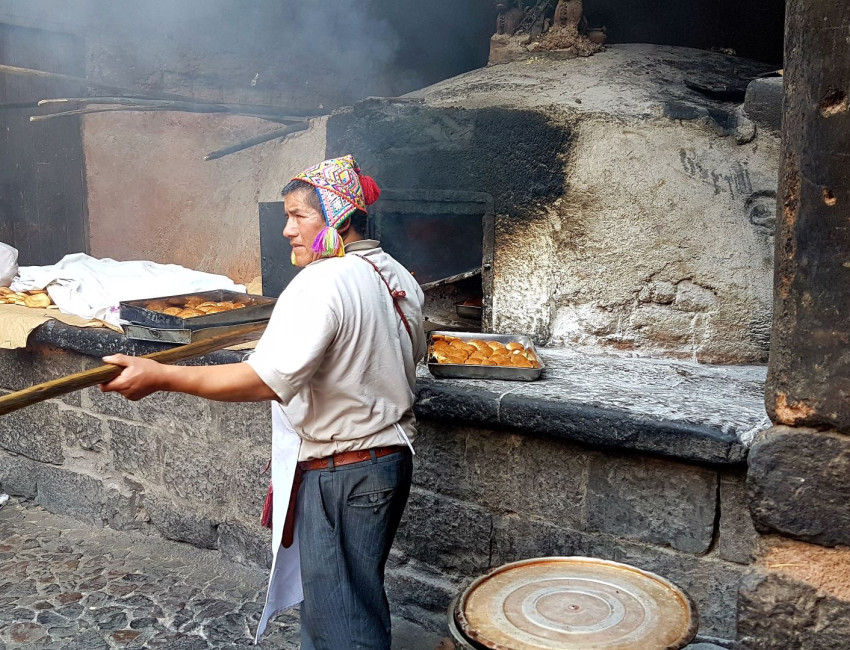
<point x="338" y="360"/>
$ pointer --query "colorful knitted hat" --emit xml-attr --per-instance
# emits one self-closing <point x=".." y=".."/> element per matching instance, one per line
<point x="342" y="190"/>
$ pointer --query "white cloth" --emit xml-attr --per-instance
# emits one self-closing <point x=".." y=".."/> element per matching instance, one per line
<point x="8" y="264"/>
<point x="285" y="588"/>
<point x="92" y="288"/>
<point x="338" y="356"/>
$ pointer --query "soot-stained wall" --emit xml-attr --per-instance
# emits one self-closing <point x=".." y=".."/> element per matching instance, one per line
<point x="517" y="156"/>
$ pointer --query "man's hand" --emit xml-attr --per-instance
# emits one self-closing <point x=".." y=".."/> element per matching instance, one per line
<point x="140" y="377"/>
<point x="229" y="382"/>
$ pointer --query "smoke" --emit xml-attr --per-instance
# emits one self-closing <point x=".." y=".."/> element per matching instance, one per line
<point x="296" y="53"/>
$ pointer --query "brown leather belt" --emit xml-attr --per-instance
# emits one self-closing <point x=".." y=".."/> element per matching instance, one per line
<point x="328" y="462"/>
<point x="347" y="458"/>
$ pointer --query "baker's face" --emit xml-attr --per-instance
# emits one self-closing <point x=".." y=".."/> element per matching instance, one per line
<point x="303" y="224"/>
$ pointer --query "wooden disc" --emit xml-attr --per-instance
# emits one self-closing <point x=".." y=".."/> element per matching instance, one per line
<point x="563" y="603"/>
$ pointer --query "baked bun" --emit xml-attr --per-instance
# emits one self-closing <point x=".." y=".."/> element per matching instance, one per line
<point x="194" y="301"/>
<point x="171" y="311"/>
<point x="519" y="361"/>
<point x="189" y="313"/>
<point x="217" y="309"/>
<point x="156" y="305"/>
<point x="39" y="300"/>
<point x="514" y="346"/>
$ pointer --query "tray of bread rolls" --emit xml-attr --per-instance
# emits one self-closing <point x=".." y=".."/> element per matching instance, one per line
<point x="473" y="355"/>
<point x="194" y="311"/>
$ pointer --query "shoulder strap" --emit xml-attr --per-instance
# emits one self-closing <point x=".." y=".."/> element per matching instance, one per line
<point x="395" y="295"/>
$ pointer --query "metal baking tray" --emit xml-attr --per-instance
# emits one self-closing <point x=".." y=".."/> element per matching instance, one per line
<point x="462" y="371"/>
<point x="472" y="312"/>
<point x="257" y="308"/>
<point x="180" y="337"/>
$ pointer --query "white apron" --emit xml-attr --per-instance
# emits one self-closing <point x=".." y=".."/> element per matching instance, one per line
<point x="285" y="589"/>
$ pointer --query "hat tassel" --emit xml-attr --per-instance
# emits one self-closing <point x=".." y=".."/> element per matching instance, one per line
<point x="328" y="243"/>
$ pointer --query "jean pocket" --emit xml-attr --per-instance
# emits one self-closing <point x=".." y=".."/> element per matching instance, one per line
<point x="371" y="499"/>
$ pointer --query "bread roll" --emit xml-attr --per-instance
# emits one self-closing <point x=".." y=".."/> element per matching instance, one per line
<point x="189" y="313"/>
<point x="513" y="345"/>
<point x="40" y="300"/>
<point x="216" y="310"/>
<point x="156" y="305"/>
<point x="171" y="311"/>
<point x="519" y="361"/>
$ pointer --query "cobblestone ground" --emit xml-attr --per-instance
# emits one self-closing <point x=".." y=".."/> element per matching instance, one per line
<point x="66" y="585"/>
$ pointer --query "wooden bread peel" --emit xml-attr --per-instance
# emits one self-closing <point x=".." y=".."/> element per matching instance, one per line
<point x="102" y="374"/>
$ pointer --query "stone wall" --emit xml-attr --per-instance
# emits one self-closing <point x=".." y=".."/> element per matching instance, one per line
<point x="485" y="497"/>
<point x="174" y="465"/>
<point x="188" y="470"/>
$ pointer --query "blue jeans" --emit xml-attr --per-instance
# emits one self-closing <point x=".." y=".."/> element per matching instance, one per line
<point x="347" y="519"/>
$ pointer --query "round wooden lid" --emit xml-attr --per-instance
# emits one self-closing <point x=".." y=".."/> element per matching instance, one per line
<point x="560" y="603"/>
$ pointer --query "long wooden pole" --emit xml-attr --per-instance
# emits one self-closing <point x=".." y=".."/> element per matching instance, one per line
<point x="265" y="137"/>
<point x="127" y="93"/>
<point x="102" y="374"/>
<point x="265" y="112"/>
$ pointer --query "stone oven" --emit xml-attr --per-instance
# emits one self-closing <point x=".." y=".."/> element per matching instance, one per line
<point x="633" y="213"/>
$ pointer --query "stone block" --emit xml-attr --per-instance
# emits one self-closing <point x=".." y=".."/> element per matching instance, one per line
<point x="503" y="472"/>
<point x="658" y="291"/>
<point x="694" y="297"/>
<point x="778" y="613"/>
<point x="652" y="500"/>
<point x="251" y="421"/>
<point x="446" y="534"/>
<point x="83" y="431"/>
<point x="737" y="538"/>
<point x="19" y="475"/>
<point x="16" y="369"/>
<point x="181" y="522"/>
<point x="652" y="324"/>
<point x="134" y="449"/>
<point x="450" y="402"/>
<point x="179" y="412"/>
<point x="197" y="469"/>
<point x="763" y="102"/>
<point x="246" y="543"/>
<point x="799" y="484"/>
<point x="422" y="598"/>
<point x="249" y="486"/>
<point x="35" y="432"/>
<point x="77" y="495"/>
<point x="110" y="404"/>
<point x="519" y="538"/>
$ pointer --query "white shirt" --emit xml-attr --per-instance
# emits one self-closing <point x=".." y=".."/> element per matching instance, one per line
<point x="338" y="356"/>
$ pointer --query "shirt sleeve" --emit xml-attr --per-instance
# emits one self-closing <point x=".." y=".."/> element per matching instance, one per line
<point x="295" y="343"/>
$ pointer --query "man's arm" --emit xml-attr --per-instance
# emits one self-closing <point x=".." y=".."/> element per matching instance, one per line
<point x="234" y="382"/>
